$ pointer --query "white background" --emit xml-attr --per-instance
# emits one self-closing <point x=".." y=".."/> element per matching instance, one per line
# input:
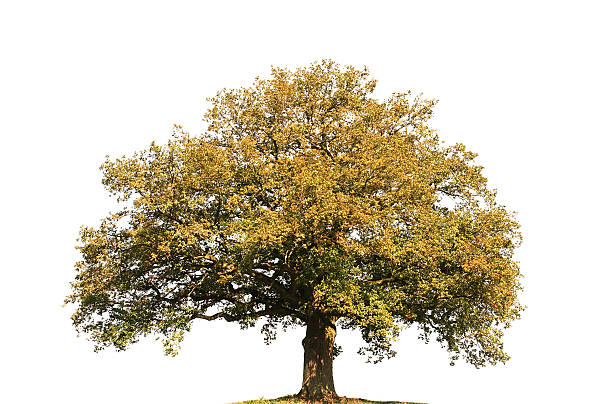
<point x="526" y="85"/>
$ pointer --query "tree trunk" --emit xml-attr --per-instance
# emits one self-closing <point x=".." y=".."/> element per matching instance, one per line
<point x="318" y="381"/>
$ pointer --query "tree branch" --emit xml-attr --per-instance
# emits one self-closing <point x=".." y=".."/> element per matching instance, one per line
<point x="229" y="317"/>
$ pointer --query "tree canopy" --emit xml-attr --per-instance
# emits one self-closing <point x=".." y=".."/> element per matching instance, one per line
<point x="306" y="198"/>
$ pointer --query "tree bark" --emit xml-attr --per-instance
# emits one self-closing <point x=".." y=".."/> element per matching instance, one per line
<point x="318" y="380"/>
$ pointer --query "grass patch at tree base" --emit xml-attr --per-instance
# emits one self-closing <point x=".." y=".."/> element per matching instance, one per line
<point x="340" y="400"/>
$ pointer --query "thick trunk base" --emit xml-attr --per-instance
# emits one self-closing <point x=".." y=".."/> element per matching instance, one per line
<point x="318" y="380"/>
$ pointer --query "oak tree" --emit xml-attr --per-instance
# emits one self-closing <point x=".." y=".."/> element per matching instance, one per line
<point x="307" y="202"/>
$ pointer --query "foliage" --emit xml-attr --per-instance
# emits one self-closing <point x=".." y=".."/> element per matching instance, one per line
<point x="306" y="195"/>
